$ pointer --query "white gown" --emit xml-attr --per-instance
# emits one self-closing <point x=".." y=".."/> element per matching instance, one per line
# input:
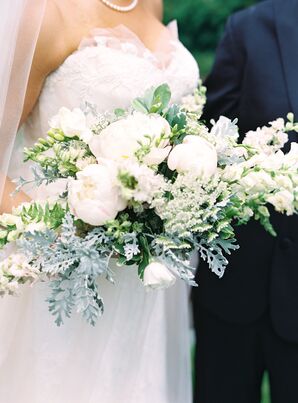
<point x="139" y="351"/>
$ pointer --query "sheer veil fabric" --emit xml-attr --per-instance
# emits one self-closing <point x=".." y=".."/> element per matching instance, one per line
<point x="19" y="29"/>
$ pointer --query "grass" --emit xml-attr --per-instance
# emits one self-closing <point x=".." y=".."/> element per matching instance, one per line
<point x="266" y="390"/>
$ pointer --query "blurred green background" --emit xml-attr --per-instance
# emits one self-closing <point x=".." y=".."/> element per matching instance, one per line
<point x="201" y="23"/>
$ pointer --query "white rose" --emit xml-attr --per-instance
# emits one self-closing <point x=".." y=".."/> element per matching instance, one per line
<point x="72" y="123"/>
<point x="94" y="196"/>
<point x="283" y="201"/>
<point x="122" y="138"/>
<point x="195" y="155"/>
<point x="157" y="276"/>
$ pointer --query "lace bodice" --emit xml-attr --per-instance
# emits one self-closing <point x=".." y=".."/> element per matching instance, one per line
<point x="111" y="68"/>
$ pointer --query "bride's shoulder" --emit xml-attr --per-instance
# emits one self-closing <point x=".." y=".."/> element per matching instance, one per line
<point x="52" y="45"/>
<point x="52" y="48"/>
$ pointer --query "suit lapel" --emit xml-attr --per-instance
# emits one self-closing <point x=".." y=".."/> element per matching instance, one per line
<point x="286" y="20"/>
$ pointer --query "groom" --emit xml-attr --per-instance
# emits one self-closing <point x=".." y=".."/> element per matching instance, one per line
<point x="247" y="322"/>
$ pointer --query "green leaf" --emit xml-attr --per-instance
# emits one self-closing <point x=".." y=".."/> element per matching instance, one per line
<point x="139" y="105"/>
<point x="161" y="99"/>
<point x="145" y="256"/>
<point x="119" y="112"/>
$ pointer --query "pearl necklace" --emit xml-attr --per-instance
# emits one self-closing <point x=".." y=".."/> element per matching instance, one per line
<point x="122" y="9"/>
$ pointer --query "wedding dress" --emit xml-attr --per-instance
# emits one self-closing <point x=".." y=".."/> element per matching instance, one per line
<point x="139" y="351"/>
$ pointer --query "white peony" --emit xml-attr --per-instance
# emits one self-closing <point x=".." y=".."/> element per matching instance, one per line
<point x="72" y="123"/>
<point x="158" y="276"/>
<point x="94" y="196"/>
<point x="283" y="201"/>
<point x="121" y="139"/>
<point x="195" y="155"/>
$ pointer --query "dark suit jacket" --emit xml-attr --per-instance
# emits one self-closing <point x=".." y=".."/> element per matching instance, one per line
<point x="255" y="78"/>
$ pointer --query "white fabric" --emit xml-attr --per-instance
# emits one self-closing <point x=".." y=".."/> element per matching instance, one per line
<point x="20" y="22"/>
<point x="139" y="351"/>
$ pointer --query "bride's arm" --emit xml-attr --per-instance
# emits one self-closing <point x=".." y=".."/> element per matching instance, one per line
<point x="49" y="54"/>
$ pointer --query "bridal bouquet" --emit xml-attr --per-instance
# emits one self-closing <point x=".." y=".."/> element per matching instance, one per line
<point x="146" y="186"/>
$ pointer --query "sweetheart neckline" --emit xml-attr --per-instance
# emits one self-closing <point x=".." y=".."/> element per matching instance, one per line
<point x="171" y="29"/>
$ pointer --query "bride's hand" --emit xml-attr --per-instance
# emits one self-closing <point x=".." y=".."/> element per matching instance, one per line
<point x="8" y="201"/>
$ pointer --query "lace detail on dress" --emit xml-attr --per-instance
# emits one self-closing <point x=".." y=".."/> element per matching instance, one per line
<point x="111" y="68"/>
<point x="124" y="40"/>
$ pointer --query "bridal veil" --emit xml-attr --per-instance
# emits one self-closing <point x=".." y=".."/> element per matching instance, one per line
<point x="20" y="22"/>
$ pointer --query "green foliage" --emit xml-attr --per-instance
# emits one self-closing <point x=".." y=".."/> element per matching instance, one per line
<point x="201" y="23"/>
<point x="155" y="100"/>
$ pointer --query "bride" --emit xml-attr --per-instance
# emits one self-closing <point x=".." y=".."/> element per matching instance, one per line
<point x="104" y="53"/>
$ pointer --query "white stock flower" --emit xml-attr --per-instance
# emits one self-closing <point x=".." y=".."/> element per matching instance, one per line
<point x="266" y="139"/>
<point x="84" y="162"/>
<point x="121" y="139"/>
<point x="291" y="158"/>
<point x="158" y="276"/>
<point x="283" y="201"/>
<point x="224" y="128"/>
<point x="94" y="196"/>
<point x="232" y="172"/>
<point x="258" y="182"/>
<point x="147" y="181"/>
<point x="72" y="123"/>
<point x="195" y="155"/>
<point x="15" y="269"/>
<point x="284" y="181"/>
<point x="36" y="226"/>
<point x="278" y="124"/>
<point x="10" y="220"/>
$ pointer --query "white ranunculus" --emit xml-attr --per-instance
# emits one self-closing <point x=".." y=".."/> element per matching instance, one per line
<point x="195" y="155"/>
<point x="94" y="196"/>
<point x="283" y="201"/>
<point x="158" y="276"/>
<point x="121" y="139"/>
<point x="72" y="123"/>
